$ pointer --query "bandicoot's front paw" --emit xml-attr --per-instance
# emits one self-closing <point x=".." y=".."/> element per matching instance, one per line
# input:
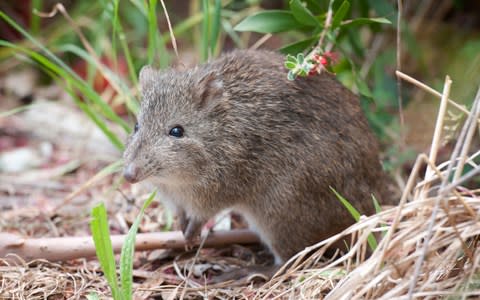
<point x="191" y="232"/>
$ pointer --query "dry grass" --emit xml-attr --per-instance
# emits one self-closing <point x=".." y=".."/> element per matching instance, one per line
<point x="41" y="279"/>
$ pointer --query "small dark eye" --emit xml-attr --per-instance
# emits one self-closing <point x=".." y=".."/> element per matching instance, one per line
<point x="176" y="131"/>
<point x="135" y="129"/>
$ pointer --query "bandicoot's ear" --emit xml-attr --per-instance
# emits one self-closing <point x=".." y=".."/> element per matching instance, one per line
<point x="209" y="87"/>
<point x="147" y="76"/>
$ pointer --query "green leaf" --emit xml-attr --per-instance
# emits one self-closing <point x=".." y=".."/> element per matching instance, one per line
<point x="383" y="8"/>
<point x="297" y="47"/>
<point x="363" y="88"/>
<point x="103" y="247"/>
<point x="269" y="21"/>
<point x="316" y="6"/>
<point x="340" y="14"/>
<point x="372" y="242"/>
<point x="128" y="248"/>
<point x="377" y="206"/>
<point x="291" y="58"/>
<point x="300" y="58"/>
<point x="302" y="14"/>
<point x="302" y="72"/>
<point x="291" y="75"/>
<point x="290" y="65"/>
<point x="362" y="21"/>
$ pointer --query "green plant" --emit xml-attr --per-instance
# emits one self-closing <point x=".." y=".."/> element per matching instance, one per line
<point x="372" y="242"/>
<point x="321" y="24"/>
<point x="101" y="236"/>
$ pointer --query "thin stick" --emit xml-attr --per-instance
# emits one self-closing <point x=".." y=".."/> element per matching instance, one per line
<point x="328" y="23"/>
<point x="67" y="248"/>
<point x="430" y="90"/>
<point x="172" y="36"/>
<point x="399" y="67"/>
<point x="403" y="200"/>
<point x="429" y="173"/>
<point x="438" y="128"/>
<point x="261" y="41"/>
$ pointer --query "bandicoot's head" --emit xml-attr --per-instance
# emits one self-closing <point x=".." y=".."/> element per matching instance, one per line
<point x="176" y="135"/>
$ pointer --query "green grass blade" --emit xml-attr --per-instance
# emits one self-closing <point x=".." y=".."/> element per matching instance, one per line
<point x="114" y="31"/>
<point x="228" y="28"/>
<point x="140" y="6"/>
<point x="216" y="22"/>
<point x="34" y="18"/>
<point x="352" y="210"/>
<point x="205" y="30"/>
<point x="128" y="248"/>
<point x="123" y="43"/>
<point x="378" y="208"/>
<point x="99" y="122"/>
<point x="16" y="110"/>
<point x="372" y="242"/>
<point x="152" y="31"/>
<point x="103" y="247"/>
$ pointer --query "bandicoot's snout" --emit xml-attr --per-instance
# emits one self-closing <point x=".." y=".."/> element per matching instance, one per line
<point x="130" y="173"/>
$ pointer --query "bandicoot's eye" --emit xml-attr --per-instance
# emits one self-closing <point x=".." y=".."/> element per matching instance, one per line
<point x="135" y="129"/>
<point x="176" y="131"/>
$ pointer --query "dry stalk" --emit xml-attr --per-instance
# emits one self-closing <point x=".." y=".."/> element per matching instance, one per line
<point x="428" y="89"/>
<point x="438" y="129"/>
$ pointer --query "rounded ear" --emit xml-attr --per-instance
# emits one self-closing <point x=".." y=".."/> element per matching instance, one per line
<point x="209" y="86"/>
<point x="147" y="76"/>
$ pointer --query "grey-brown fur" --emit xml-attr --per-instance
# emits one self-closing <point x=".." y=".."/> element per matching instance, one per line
<point x="267" y="147"/>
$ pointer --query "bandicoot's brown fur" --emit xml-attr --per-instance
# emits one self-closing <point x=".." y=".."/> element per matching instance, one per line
<point x="257" y="143"/>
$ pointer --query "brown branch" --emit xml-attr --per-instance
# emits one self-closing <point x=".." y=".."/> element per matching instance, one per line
<point x="67" y="248"/>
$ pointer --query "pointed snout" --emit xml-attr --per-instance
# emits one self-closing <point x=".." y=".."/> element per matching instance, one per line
<point x="131" y="173"/>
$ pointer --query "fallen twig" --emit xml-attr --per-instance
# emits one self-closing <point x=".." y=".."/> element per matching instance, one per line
<point x="67" y="248"/>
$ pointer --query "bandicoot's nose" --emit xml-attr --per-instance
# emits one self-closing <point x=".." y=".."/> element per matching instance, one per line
<point x="130" y="173"/>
